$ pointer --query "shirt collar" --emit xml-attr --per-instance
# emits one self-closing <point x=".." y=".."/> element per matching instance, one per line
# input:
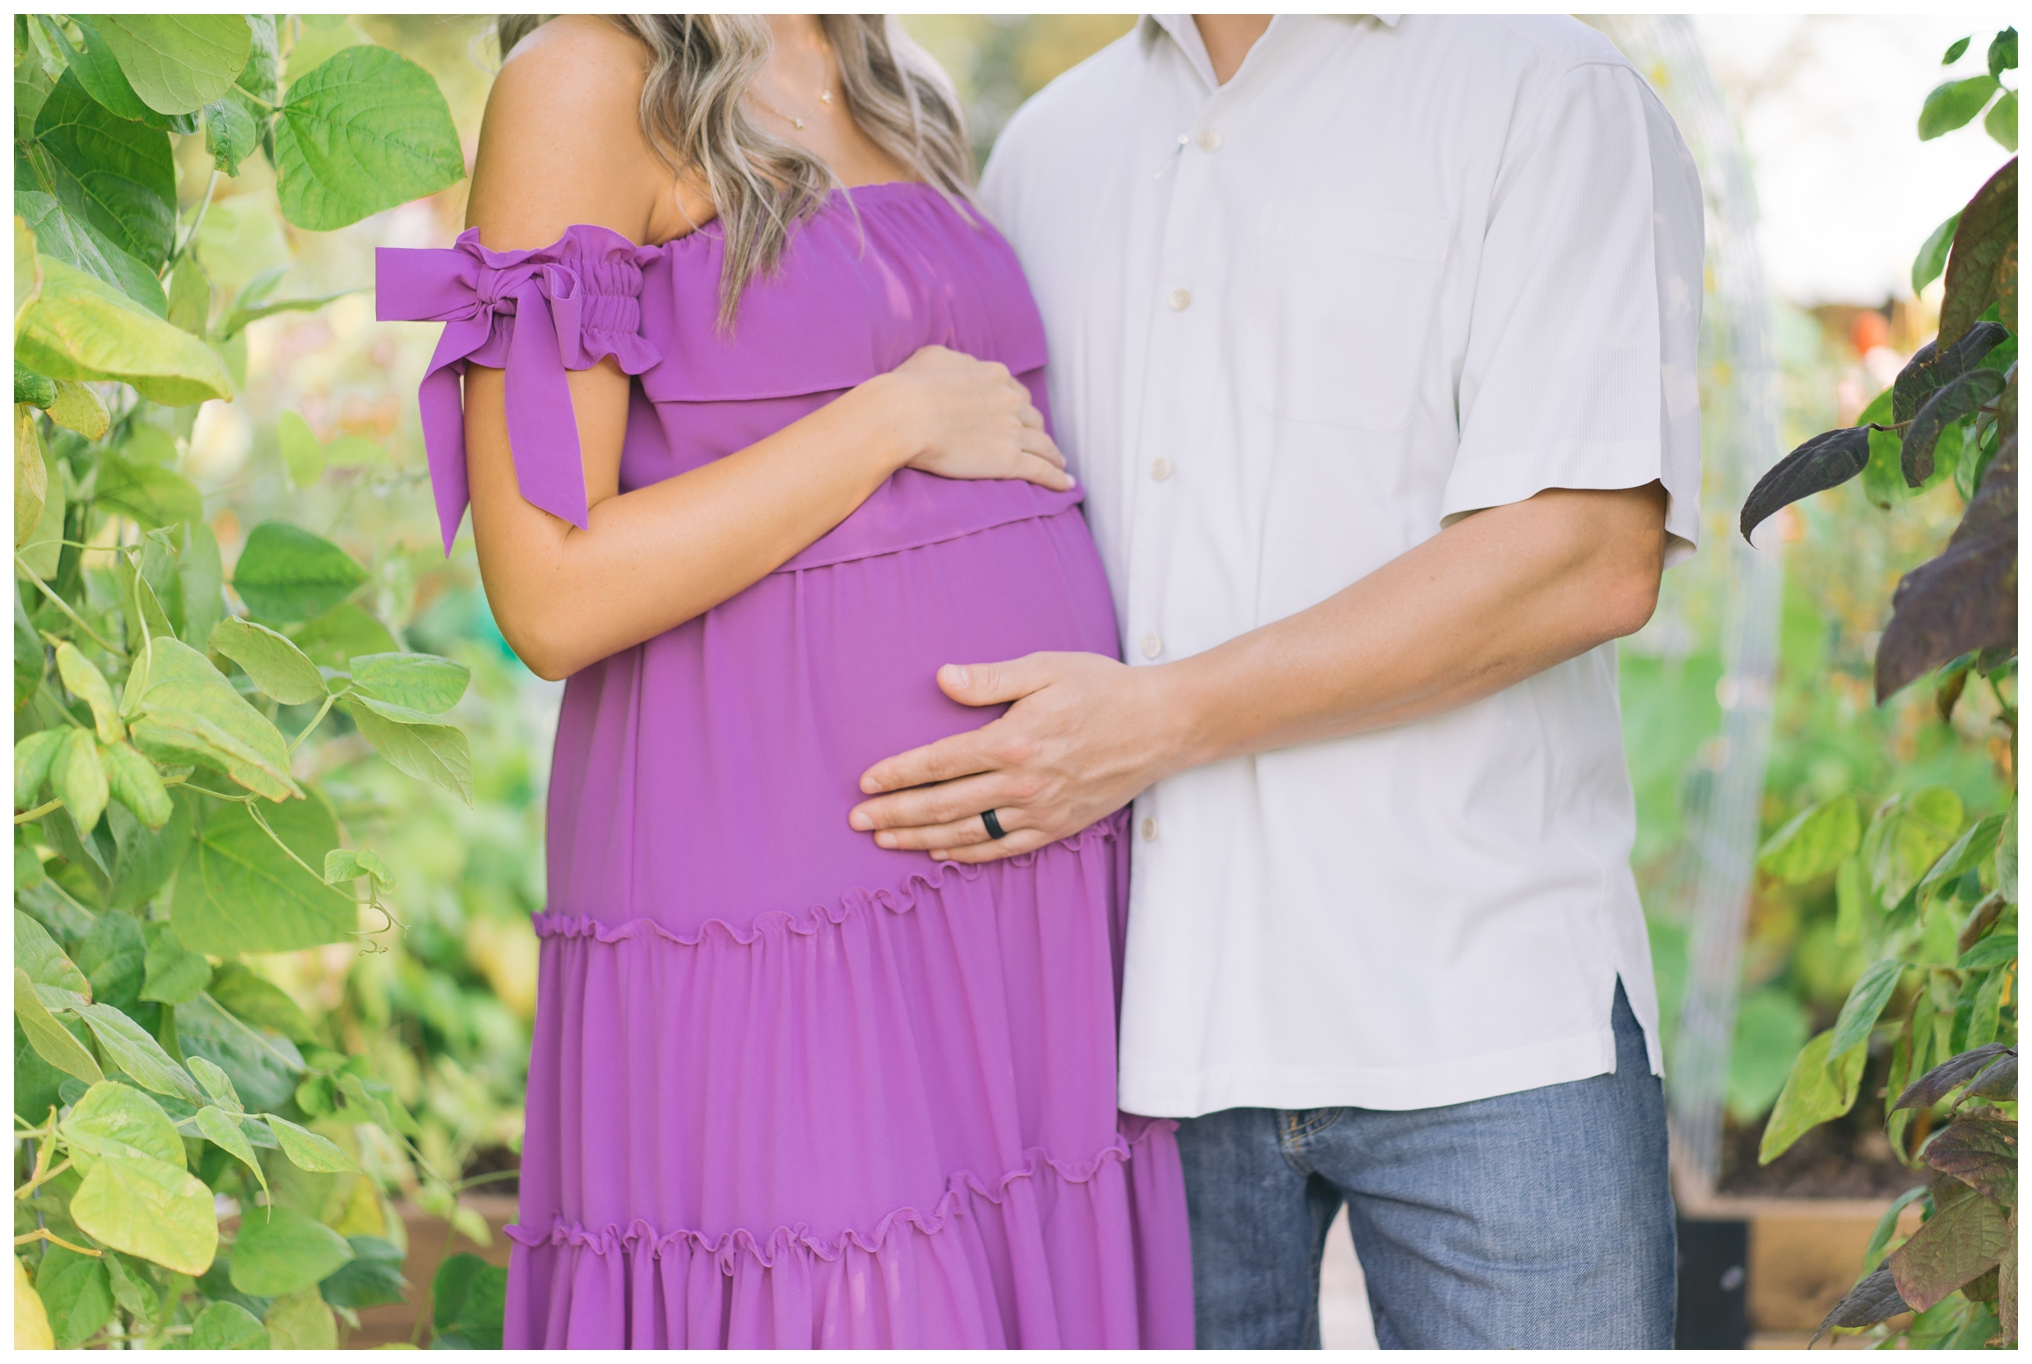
<point x="1183" y="31"/>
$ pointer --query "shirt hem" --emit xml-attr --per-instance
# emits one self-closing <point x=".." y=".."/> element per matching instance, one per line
<point x="1160" y="1094"/>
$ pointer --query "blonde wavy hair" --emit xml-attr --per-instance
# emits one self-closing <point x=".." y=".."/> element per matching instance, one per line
<point x="694" y="114"/>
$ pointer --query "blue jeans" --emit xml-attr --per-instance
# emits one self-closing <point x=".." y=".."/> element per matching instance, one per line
<point x="1538" y="1220"/>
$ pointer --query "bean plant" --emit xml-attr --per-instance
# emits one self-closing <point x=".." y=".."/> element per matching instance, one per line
<point x="165" y="823"/>
<point x="1931" y="894"/>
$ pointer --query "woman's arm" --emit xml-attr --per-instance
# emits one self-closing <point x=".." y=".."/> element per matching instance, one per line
<point x="562" y="144"/>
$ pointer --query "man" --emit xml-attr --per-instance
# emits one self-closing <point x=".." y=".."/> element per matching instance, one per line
<point x="1373" y="343"/>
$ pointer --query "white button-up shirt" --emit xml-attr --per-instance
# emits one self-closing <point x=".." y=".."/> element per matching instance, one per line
<point x="1393" y="272"/>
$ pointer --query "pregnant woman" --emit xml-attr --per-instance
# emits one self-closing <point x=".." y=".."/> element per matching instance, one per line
<point x="747" y="464"/>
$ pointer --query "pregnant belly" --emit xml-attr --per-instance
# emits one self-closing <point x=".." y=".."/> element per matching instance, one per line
<point x="707" y="774"/>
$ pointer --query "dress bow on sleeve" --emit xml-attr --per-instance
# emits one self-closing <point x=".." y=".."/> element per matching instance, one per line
<point x="534" y="314"/>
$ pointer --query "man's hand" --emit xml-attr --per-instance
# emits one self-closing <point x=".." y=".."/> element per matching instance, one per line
<point x="1084" y="736"/>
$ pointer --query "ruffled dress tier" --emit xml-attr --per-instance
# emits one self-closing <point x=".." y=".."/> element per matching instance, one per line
<point x="789" y="1089"/>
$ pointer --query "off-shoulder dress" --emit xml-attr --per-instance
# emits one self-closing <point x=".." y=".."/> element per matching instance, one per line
<point x="788" y="1088"/>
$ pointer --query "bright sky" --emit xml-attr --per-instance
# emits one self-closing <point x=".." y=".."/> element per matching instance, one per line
<point x="1828" y="107"/>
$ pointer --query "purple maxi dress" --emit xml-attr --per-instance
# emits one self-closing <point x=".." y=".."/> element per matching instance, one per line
<point x="789" y="1089"/>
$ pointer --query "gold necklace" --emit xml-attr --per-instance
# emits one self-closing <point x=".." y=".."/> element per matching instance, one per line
<point x="825" y="97"/>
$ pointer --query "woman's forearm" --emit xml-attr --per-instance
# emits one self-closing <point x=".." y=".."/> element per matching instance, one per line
<point x="651" y="559"/>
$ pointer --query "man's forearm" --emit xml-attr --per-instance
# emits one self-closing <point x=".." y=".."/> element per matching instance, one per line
<point x="1490" y="601"/>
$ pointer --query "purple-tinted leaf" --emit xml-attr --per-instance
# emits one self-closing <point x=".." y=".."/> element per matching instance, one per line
<point x="1828" y="460"/>
<point x="1873" y="1300"/>
<point x="1955" y="1245"/>
<point x="1997" y="1080"/>
<point x="1988" y="226"/>
<point x="1935" y="1085"/>
<point x="1966" y="599"/>
<point x="1952" y="401"/>
<point x="1980" y="1152"/>
<point x="1928" y="369"/>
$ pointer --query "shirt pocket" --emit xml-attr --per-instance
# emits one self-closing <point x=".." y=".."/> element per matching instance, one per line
<point x="1337" y="310"/>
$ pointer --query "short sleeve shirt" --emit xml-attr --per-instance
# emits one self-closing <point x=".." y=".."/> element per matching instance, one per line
<point x="1395" y="271"/>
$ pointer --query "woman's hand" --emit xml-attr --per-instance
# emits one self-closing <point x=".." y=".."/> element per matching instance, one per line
<point x="971" y="419"/>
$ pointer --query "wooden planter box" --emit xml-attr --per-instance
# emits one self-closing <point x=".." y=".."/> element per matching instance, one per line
<point x="430" y="1242"/>
<point x="1803" y="1256"/>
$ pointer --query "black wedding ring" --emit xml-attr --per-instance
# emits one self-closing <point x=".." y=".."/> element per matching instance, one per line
<point x="994" y="824"/>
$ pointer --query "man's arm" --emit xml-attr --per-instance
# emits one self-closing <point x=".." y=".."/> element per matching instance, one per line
<point x="1495" y="598"/>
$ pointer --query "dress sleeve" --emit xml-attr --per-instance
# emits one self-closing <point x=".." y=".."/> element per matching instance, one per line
<point x="1580" y="366"/>
<point x="534" y="314"/>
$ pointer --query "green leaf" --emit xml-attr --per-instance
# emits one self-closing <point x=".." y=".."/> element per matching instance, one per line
<point x="113" y="956"/>
<point x="307" y="1150"/>
<point x="1814" y="843"/>
<point x="117" y="174"/>
<point x="222" y="1129"/>
<point x="190" y="713"/>
<point x="1771" y="1026"/>
<point x="78" y="777"/>
<point x="1988" y="228"/>
<point x="1965" y="856"/>
<point x="301" y="1321"/>
<point x="372" y="1278"/>
<point x="286" y="574"/>
<point x="43" y="550"/>
<point x="128" y="1045"/>
<point x="89" y="685"/>
<point x="2001" y="123"/>
<point x="38" y="954"/>
<point x="82" y="328"/>
<point x="148" y="1209"/>
<point x="230" y="134"/>
<point x="1953" y="104"/>
<point x="218" y="1085"/>
<point x="261" y="1003"/>
<point x="377" y="1097"/>
<point x="147" y="858"/>
<point x="1954" y="1246"/>
<point x="468" y="1301"/>
<point x="72" y="238"/>
<point x="262" y="1066"/>
<point x="33" y="755"/>
<point x="78" y="409"/>
<point x="75" y="1293"/>
<point x="301" y="453"/>
<point x="2003" y="54"/>
<point x="1954" y="51"/>
<point x="134" y="782"/>
<point x="150" y="493"/>
<point x="36" y="391"/>
<point x="116" y="1120"/>
<point x="177" y="64"/>
<point x="1820" y="1087"/>
<point x="285" y="1251"/>
<point x="50" y="1039"/>
<point x="367" y="130"/>
<point x="276" y="665"/>
<point x="227" y="1326"/>
<point x="190" y="296"/>
<point x="414" y="744"/>
<point x="344" y="632"/>
<point x="1906" y="837"/>
<point x="239" y="892"/>
<point x="31" y="474"/>
<point x="175" y="974"/>
<point x="1994" y="950"/>
<point x="1866" y="1001"/>
<point x="349" y="864"/>
<point x="421" y="682"/>
<point x="203" y="582"/>
<point x="99" y="72"/>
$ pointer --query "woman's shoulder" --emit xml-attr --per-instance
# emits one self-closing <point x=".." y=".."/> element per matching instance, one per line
<point x="562" y="140"/>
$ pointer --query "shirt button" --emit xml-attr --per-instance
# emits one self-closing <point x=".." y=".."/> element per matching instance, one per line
<point x="1180" y="300"/>
<point x="1160" y="469"/>
<point x="1149" y="831"/>
<point x="1152" y="646"/>
<point x="1210" y="141"/>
